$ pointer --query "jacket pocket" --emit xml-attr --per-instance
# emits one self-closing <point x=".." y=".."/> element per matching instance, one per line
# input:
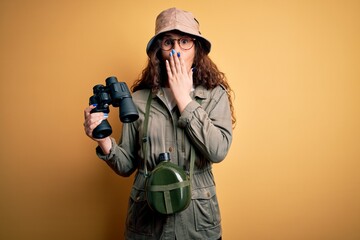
<point x="140" y="218"/>
<point x="206" y="208"/>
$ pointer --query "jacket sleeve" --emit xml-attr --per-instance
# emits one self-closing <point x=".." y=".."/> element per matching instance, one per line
<point x="209" y="125"/>
<point x="120" y="158"/>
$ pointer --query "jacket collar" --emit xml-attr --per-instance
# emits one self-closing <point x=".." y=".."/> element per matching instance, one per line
<point x="200" y="92"/>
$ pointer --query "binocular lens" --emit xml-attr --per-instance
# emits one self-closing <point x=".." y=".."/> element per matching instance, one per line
<point x="128" y="112"/>
<point x="103" y="130"/>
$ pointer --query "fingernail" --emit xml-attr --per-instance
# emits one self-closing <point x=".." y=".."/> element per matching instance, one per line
<point x="171" y="53"/>
<point x="94" y="105"/>
<point x="178" y="54"/>
<point x="106" y="115"/>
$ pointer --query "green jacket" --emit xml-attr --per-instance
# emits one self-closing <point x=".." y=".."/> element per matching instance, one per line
<point x="208" y="128"/>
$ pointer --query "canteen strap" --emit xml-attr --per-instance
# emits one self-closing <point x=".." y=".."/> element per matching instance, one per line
<point x="165" y="189"/>
<point x="169" y="187"/>
<point x="145" y="139"/>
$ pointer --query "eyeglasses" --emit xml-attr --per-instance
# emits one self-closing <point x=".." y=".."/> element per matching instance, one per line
<point x="185" y="43"/>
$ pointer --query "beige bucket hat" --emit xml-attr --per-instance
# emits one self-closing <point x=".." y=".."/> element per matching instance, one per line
<point x="177" y="19"/>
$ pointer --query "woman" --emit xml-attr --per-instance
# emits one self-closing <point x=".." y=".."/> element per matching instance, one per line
<point x="190" y="108"/>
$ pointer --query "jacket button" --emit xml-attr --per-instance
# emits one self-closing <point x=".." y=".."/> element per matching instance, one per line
<point x="171" y="149"/>
<point x="208" y="194"/>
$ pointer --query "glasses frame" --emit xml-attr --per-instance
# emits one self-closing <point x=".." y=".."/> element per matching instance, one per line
<point x="178" y="42"/>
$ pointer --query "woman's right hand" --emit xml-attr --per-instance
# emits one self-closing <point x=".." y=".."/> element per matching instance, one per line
<point x="92" y="120"/>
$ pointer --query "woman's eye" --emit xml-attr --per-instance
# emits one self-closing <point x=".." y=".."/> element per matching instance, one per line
<point x="184" y="40"/>
<point x="167" y="42"/>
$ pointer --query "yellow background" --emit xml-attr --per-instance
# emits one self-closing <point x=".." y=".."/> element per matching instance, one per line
<point x="293" y="171"/>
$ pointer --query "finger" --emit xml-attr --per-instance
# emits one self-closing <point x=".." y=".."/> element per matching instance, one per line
<point x="94" y="118"/>
<point x="168" y="69"/>
<point x="182" y="64"/>
<point x="172" y="61"/>
<point x="95" y="115"/>
<point x="177" y="62"/>
<point x="92" y="122"/>
<point x="88" y="110"/>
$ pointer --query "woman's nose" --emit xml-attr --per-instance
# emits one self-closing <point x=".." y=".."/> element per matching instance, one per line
<point x="176" y="46"/>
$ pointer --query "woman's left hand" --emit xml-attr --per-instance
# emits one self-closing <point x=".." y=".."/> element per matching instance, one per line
<point x="180" y="79"/>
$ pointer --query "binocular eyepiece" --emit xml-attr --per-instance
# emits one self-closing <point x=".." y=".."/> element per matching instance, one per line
<point x="117" y="94"/>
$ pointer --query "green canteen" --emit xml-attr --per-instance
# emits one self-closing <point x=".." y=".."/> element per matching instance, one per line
<point x="168" y="188"/>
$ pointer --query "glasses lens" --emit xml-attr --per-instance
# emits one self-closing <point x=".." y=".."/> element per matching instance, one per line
<point x="166" y="44"/>
<point x="186" y="43"/>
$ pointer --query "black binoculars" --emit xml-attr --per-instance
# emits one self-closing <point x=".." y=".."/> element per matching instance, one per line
<point x="117" y="94"/>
